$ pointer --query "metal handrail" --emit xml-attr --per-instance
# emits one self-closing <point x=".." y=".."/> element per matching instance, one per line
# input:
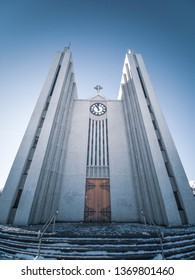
<point x="44" y="228"/>
<point x="158" y="231"/>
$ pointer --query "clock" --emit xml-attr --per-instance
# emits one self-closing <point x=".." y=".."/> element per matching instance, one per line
<point x="98" y="109"/>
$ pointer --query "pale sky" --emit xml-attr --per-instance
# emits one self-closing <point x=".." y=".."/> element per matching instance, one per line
<point x="100" y="33"/>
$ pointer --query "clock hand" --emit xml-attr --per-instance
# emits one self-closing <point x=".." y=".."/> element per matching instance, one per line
<point x="97" y="106"/>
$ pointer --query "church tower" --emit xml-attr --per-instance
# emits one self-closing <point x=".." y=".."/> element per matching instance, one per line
<point x="96" y="159"/>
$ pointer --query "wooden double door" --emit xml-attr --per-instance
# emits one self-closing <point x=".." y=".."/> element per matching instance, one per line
<point x="97" y="200"/>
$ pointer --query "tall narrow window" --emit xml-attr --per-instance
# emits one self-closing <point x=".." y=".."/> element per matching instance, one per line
<point x="92" y="140"/>
<point x="100" y="144"/>
<point x="103" y="144"/>
<point x="142" y="84"/>
<point x="88" y="148"/>
<point x="97" y="149"/>
<point x="107" y="142"/>
<point x="17" y="199"/>
<point x="96" y="143"/>
<point x="54" y="83"/>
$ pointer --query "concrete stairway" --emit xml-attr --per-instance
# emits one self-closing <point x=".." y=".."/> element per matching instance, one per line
<point x="136" y="244"/>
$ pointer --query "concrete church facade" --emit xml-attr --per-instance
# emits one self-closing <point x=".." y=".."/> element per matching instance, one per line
<point x="97" y="160"/>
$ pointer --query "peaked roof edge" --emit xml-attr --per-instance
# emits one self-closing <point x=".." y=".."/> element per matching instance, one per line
<point x="98" y="97"/>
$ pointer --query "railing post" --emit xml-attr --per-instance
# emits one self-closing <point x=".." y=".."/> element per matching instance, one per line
<point x="158" y="231"/>
<point x="46" y="225"/>
<point x="144" y="218"/>
<point x="54" y="221"/>
<point x="39" y="247"/>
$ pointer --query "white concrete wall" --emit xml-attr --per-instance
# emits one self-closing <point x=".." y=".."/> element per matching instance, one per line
<point x="123" y="195"/>
<point x="10" y="189"/>
<point x="163" y="180"/>
<point x="72" y="198"/>
<point x="187" y="199"/>
<point x="30" y="187"/>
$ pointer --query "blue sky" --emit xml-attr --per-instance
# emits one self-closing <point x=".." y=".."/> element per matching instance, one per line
<point x="100" y="33"/>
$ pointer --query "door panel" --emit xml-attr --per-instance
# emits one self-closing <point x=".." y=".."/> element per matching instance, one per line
<point x="97" y="200"/>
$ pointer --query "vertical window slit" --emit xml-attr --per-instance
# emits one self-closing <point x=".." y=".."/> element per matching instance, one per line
<point x="95" y="142"/>
<point x="88" y="148"/>
<point x="179" y="206"/>
<point x="17" y="199"/>
<point x="142" y="84"/>
<point x="107" y="142"/>
<point x="100" y="143"/>
<point x="54" y="83"/>
<point x="103" y="142"/>
<point x="92" y="140"/>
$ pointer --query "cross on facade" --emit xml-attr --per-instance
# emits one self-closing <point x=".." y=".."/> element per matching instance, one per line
<point x="98" y="88"/>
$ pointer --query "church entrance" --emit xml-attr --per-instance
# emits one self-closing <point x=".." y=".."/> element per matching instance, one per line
<point x="97" y="200"/>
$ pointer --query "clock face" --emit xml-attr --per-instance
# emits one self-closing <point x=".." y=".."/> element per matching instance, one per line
<point x="98" y="109"/>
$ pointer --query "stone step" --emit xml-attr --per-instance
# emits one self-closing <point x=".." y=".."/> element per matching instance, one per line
<point x="168" y="241"/>
<point x="131" y="236"/>
<point x="128" y="252"/>
<point x="59" y="253"/>
<point x="66" y="247"/>
<point x="80" y="239"/>
<point x="187" y="251"/>
<point x="54" y="241"/>
<point x="19" y="244"/>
